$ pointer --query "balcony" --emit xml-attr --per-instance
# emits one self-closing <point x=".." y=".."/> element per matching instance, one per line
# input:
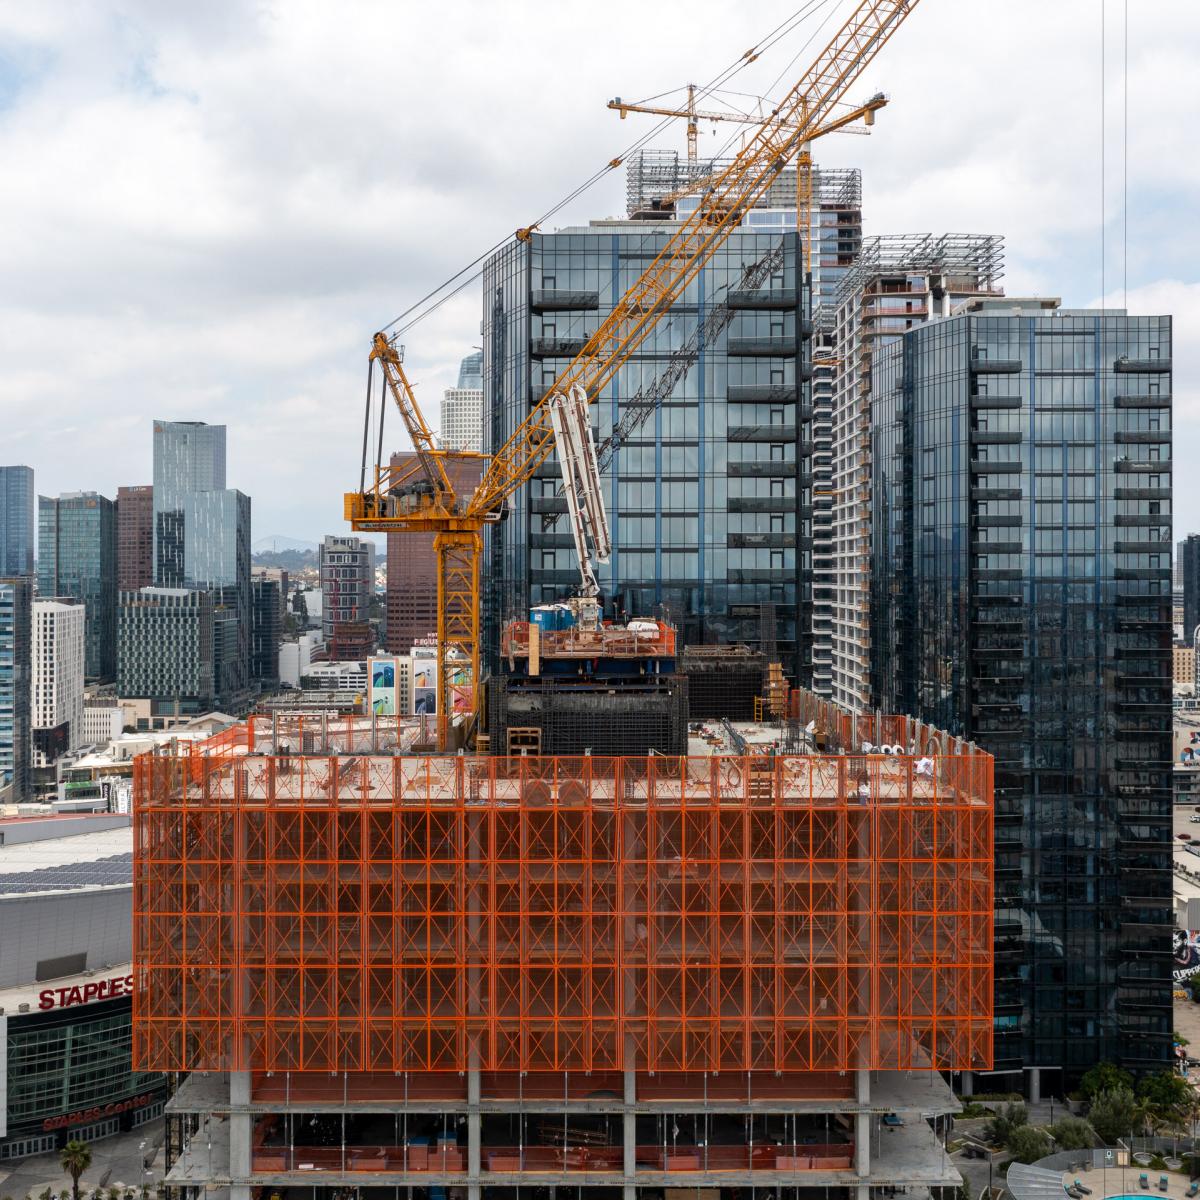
<point x="762" y="393"/>
<point x="761" y="347"/>
<point x="995" y="366"/>
<point x="1133" y="466"/>
<point x="1130" y="366"/>
<point x="1143" y="572"/>
<point x="762" y="433"/>
<point x="1141" y="547"/>
<point x="556" y="347"/>
<point x="1140" y="436"/>
<point x="981" y="437"/>
<point x="744" y="541"/>
<point x="1007" y="467"/>
<point x="996" y="493"/>
<point x="1147" y="493"/>
<point x="1143" y="401"/>
<point x="761" y="470"/>
<point x="563" y="300"/>
<point x="1151" y="519"/>
<point x="763" y="298"/>
<point x="996" y="401"/>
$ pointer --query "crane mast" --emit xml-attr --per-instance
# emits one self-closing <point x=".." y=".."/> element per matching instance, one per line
<point x="730" y="193"/>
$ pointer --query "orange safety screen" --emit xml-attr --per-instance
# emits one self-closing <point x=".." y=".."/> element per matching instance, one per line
<point x="378" y="913"/>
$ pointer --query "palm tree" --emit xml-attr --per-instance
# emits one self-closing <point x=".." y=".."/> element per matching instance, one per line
<point x="1146" y="1118"/>
<point x="75" y="1157"/>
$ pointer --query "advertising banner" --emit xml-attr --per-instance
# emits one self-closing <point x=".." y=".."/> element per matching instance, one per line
<point x="424" y="679"/>
<point x="384" y="698"/>
<point x="1187" y="953"/>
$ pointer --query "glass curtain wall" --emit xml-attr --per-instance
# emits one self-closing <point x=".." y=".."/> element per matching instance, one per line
<point x="705" y="496"/>
<point x="1022" y="597"/>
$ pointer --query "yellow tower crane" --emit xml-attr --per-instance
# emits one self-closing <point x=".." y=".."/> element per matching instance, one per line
<point x="396" y="501"/>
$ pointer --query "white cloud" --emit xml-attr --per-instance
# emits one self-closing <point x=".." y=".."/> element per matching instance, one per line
<point x="207" y="209"/>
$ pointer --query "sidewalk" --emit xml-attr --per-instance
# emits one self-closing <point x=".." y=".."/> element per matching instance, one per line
<point x="115" y="1160"/>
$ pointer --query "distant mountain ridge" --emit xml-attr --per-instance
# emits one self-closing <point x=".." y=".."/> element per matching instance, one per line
<point x="276" y="543"/>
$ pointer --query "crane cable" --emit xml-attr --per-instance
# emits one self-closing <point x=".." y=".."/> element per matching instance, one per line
<point x="1125" y="169"/>
<point x="739" y="64"/>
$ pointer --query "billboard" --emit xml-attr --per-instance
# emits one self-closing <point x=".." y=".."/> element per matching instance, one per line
<point x="383" y="687"/>
<point x="1187" y="953"/>
<point x="424" y="679"/>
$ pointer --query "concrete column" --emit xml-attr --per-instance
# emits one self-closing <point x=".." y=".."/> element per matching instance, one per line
<point x="473" y="1130"/>
<point x="240" y="1161"/>
<point x="629" y="1118"/>
<point x="1035" y="1084"/>
<point x="862" y="1144"/>
<point x="862" y="1127"/>
<point x="968" y="1084"/>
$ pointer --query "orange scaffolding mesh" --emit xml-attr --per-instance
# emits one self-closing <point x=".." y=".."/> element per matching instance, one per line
<point x="361" y="912"/>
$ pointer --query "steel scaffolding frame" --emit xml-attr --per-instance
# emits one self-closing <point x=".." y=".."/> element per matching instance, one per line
<point x="379" y="913"/>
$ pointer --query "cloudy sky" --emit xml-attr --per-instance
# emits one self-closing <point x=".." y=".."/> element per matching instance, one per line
<point x="207" y="208"/>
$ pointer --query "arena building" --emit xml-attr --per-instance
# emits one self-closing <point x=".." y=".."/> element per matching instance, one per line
<point x="66" y="980"/>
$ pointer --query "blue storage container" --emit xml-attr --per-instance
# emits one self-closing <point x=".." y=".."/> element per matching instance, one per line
<point x="545" y="617"/>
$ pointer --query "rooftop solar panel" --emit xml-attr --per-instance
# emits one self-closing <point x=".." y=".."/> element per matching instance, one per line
<point x="101" y="872"/>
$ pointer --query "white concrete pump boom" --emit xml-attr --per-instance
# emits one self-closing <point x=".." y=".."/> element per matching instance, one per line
<point x="581" y="482"/>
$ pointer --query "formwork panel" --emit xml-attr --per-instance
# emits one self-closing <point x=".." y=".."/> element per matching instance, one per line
<point x="426" y="914"/>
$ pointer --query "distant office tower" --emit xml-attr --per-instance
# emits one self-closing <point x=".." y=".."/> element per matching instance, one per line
<point x="57" y="678"/>
<point x="135" y="537"/>
<point x="1189" y="559"/>
<point x="77" y="560"/>
<point x="202" y="540"/>
<point x="706" y="492"/>
<point x="189" y="457"/>
<point x="899" y="282"/>
<point x="16" y="595"/>
<point x="266" y="632"/>
<point x="462" y="407"/>
<point x="470" y="371"/>
<point x="167" y="649"/>
<point x="347" y="587"/>
<point x="16" y="521"/>
<point x="412" y="566"/>
<point x="1021" y="597"/>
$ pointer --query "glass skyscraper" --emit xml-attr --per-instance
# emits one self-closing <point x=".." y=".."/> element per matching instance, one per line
<point x="77" y="560"/>
<point x="16" y="699"/>
<point x="189" y="456"/>
<point x="1021" y="597"/>
<point x="16" y="521"/>
<point x="202" y="541"/>
<point x="470" y="371"/>
<point x="705" y="492"/>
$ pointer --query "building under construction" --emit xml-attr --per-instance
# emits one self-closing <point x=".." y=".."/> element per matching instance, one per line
<point x="728" y="970"/>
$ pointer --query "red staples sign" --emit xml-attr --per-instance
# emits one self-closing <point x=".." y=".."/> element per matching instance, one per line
<point x="94" y="989"/>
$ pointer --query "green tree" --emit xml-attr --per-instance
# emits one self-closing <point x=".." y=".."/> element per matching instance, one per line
<point x="1166" y="1094"/>
<point x="1000" y="1128"/>
<point x="1104" y="1077"/>
<point x="75" y="1158"/>
<point x="1027" y="1144"/>
<point x="1073" y="1133"/>
<point x="1112" y="1114"/>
